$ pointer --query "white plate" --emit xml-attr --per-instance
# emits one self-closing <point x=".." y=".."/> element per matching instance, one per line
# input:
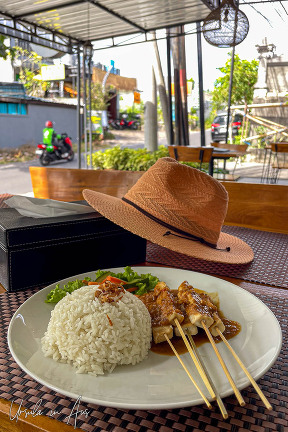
<point x="159" y="381"/>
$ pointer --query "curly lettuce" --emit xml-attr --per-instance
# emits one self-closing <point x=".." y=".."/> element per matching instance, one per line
<point x="144" y="282"/>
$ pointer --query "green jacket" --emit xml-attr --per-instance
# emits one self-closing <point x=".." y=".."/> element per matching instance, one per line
<point x="49" y="136"/>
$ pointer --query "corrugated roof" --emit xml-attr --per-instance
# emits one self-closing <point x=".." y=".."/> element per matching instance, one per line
<point x="89" y="20"/>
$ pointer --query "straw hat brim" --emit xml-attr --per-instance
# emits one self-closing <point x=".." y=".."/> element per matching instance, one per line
<point x="134" y="221"/>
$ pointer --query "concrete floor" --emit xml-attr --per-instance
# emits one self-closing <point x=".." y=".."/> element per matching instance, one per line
<point x="15" y="177"/>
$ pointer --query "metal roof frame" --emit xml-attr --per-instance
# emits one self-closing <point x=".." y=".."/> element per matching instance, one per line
<point x="42" y="24"/>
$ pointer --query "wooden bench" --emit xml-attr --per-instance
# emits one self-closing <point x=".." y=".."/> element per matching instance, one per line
<point x="67" y="184"/>
<point x="258" y="206"/>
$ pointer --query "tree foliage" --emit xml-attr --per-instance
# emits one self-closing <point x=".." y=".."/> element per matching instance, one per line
<point x="99" y="97"/>
<point x="29" y="64"/>
<point x="244" y="77"/>
<point x="5" y="51"/>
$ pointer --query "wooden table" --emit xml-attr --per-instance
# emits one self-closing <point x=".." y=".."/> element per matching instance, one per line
<point x="217" y="155"/>
<point x="44" y="423"/>
<point x="252" y="417"/>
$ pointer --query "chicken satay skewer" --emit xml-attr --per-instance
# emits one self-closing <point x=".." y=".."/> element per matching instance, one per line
<point x="166" y="302"/>
<point x="224" y="367"/>
<point x="188" y="373"/>
<point x="194" y="358"/>
<point x="218" y="397"/>
<point x="241" y="364"/>
<point x="204" y="314"/>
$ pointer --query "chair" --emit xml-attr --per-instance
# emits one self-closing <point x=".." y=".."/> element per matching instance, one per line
<point x="239" y="148"/>
<point x="278" y="160"/>
<point x="191" y="154"/>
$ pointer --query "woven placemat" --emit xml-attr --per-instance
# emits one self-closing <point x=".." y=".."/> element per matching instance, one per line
<point x="17" y="386"/>
<point x="268" y="267"/>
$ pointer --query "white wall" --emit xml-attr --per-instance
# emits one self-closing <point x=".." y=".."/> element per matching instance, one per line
<point x="6" y="71"/>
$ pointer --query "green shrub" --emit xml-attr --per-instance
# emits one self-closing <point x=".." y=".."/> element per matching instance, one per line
<point x="127" y="159"/>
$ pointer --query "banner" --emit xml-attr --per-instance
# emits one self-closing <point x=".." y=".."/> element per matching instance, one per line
<point x="137" y="97"/>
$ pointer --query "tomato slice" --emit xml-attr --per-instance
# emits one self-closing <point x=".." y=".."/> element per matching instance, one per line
<point x="114" y="280"/>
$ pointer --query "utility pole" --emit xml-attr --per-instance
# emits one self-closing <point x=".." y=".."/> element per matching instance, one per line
<point x="200" y="77"/>
<point x="162" y="89"/>
<point x="150" y="123"/>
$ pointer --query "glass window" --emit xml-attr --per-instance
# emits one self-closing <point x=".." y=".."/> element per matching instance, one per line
<point x="220" y="120"/>
<point x="13" y="108"/>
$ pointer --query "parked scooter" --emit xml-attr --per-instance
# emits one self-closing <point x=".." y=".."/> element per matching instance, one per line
<point x="114" y="124"/>
<point x="62" y="150"/>
<point x="129" y="124"/>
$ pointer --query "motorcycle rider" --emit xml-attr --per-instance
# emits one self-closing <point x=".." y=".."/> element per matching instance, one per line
<point x="50" y="138"/>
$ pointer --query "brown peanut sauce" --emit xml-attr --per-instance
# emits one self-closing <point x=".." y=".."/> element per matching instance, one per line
<point x="232" y="328"/>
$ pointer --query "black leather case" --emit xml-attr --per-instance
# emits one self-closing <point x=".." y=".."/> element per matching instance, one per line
<point x="37" y="252"/>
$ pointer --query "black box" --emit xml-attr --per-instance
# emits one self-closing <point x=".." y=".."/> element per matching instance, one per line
<point x="37" y="252"/>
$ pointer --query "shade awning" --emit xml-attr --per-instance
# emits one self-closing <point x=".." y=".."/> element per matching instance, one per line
<point x="88" y="20"/>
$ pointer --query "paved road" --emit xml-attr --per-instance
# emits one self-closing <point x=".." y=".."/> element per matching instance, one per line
<point x="15" y="177"/>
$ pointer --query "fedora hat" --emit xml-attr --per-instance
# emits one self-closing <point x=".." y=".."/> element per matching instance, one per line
<point x="178" y="207"/>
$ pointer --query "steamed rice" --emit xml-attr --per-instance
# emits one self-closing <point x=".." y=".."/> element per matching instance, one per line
<point x="80" y="333"/>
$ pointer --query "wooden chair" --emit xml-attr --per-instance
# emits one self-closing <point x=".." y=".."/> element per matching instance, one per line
<point x="191" y="154"/>
<point x="278" y="160"/>
<point x="67" y="184"/>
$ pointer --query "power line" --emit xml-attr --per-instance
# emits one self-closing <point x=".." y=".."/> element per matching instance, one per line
<point x="283" y="7"/>
<point x="260" y="13"/>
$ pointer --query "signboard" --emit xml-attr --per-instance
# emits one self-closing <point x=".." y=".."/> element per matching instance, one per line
<point x="137" y="97"/>
<point x="53" y="72"/>
<point x="96" y="120"/>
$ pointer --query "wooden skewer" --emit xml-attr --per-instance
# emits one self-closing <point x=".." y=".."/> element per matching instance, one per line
<point x="227" y="373"/>
<point x="197" y="364"/>
<point x="218" y="397"/>
<point x="253" y="382"/>
<point x="188" y="373"/>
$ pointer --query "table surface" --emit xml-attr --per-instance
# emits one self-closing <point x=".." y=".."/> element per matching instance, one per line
<point x="14" y="383"/>
<point x="252" y="417"/>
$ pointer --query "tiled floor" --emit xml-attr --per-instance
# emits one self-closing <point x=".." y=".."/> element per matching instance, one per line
<point x="251" y="172"/>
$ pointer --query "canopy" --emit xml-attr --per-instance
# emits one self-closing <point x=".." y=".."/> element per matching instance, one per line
<point x="57" y="23"/>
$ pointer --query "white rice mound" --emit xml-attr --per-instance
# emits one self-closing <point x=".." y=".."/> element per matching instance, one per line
<point x="79" y="332"/>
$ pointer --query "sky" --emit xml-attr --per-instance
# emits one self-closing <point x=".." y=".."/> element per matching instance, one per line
<point x="136" y="60"/>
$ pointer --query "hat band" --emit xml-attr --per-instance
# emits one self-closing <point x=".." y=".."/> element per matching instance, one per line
<point x="184" y="234"/>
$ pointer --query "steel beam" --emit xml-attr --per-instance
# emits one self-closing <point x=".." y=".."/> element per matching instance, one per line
<point x="48" y="8"/>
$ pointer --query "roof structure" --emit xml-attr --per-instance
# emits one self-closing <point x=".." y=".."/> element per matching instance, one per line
<point x="60" y="24"/>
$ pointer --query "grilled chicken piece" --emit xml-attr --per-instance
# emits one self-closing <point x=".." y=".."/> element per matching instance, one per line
<point x="168" y="303"/>
<point x="187" y="327"/>
<point x="214" y="296"/>
<point x="217" y="321"/>
<point x="159" y="333"/>
<point x="195" y="307"/>
<point x="160" y="323"/>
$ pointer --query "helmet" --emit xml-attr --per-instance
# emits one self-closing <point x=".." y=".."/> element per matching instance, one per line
<point x="49" y="124"/>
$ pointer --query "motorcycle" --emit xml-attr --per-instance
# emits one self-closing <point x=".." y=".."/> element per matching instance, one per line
<point x="114" y="124"/>
<point x="60" y="151"/>
<point x="131" y="124"/>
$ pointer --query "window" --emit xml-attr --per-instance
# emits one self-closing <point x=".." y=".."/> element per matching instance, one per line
<point x="13" y="108"/>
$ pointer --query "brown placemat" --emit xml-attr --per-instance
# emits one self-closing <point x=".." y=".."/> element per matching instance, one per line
<point x="17" y="386"/>
<point x="268" y="267"/>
